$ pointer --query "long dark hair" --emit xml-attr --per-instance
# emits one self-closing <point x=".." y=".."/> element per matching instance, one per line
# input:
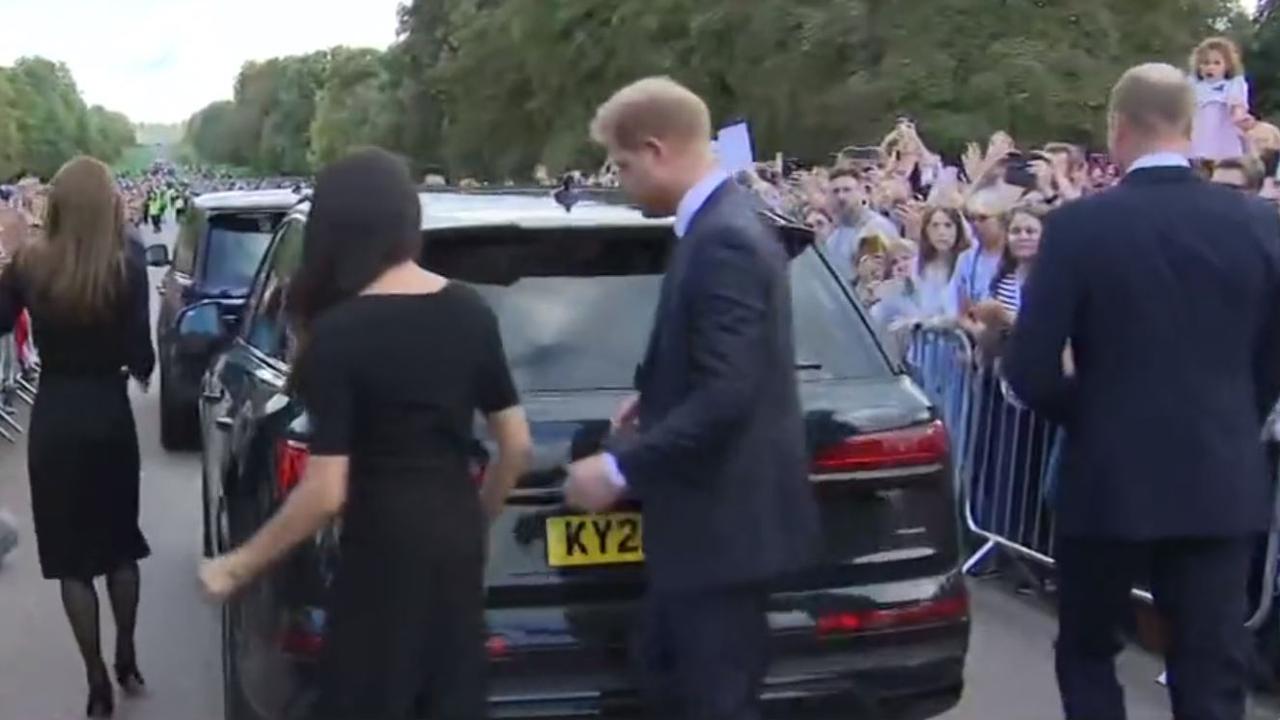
<point x="928" y="253"/>
<point x="1008" y="263"/>
<point x="365" y="218"/>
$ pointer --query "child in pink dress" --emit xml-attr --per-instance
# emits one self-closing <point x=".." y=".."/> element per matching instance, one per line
<point x="1222" y="101"/>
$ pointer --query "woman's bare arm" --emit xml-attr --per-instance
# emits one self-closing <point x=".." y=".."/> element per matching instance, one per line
<point x="510" y="430"/>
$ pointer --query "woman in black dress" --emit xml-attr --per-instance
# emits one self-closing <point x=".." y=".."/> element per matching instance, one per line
<point x="88" y="301"/>
<point x="395" y="363"/>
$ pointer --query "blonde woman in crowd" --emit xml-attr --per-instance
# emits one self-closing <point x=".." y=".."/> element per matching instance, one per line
<point x="977" y="266"/>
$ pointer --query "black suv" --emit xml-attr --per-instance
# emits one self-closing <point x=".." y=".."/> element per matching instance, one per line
<point x="220" y="244"/>
<point x="883" y="622"/>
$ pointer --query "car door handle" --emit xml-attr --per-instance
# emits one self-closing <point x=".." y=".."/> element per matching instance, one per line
<point x="213" y="395"/>
<point x="160" y="289"/>
<point x="224" y="422"/>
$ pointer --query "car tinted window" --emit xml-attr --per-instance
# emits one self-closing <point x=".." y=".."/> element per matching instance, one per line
<point x="234" y="250"/>
<point x="576" y="306"/>
<point x="267" y="329"/>
<point x="184" y="250"/>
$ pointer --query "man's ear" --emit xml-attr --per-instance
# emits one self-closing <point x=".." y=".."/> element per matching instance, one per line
<point x="655" y="149"/>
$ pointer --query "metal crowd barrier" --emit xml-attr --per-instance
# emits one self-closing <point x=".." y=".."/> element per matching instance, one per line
<point x="15" y="385"/>
<point x="1007" y="458"/>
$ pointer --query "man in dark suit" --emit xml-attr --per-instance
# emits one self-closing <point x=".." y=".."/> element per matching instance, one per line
<point x="1167" y="291"/>
<point x="713" y="446"/>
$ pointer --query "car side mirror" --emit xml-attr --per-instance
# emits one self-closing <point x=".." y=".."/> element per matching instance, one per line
<point x="157" y="255"/>
<point x="201" y="329"/>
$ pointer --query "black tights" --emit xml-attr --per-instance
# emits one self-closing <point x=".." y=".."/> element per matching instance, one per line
<point x="80" y="600"/>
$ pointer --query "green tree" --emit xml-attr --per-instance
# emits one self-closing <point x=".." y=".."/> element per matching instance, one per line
<point x="110" y="134"/>
<point x="10" y="139"/>
<point x="212" y="132"/>
<point x="354" y="106"/>
<point x="810" y="75"/>
<point x="1263" y="61"/>
<point x="286" y="130"/>
<point x="257" y="87"/>
<point x="492" y="88"/>
<point x="428" y="36"/>
<point x="44" y="122"/>
<point x="51" y="114"/>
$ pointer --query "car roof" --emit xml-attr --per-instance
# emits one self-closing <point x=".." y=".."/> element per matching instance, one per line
<point x="442" y="210"/>
<point x="446" y="209"/>
<point x="235" y="200"/>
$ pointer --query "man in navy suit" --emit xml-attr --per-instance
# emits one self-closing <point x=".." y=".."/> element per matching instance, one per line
<point x="1167" y="291"/>
<point x="713" y="445"/>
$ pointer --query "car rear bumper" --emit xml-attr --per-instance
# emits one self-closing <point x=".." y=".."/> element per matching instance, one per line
<point x="906" y="675"/>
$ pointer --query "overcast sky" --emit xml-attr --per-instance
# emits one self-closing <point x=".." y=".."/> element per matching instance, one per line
<point x="161" y="60"/>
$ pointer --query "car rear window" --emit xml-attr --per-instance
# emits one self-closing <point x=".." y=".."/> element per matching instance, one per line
<point x="234" y="250"/>
<point x="576" y="305"/>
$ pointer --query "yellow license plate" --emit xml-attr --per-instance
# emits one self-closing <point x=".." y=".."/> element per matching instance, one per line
<point x="607" y="539"/>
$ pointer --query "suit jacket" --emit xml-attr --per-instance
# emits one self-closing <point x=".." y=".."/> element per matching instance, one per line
<point x="719" y="462"/>
<point x="1168" y="289"/>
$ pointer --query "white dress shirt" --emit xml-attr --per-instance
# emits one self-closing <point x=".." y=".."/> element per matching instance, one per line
<point x="1159" y="159"/>
<point x="695" y="198"/>
<point x="688" y="208"/>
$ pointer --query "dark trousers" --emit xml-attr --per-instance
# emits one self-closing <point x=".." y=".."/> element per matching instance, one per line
<point x="703" y="655"/>
<point x="1200" y="592"/>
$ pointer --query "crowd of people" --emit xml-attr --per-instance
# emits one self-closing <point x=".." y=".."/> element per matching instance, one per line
<point x="166" y="189"/>
<point x="919" y="240"/>
<point x="921" y="243"/>
<point x="924" y="241"/>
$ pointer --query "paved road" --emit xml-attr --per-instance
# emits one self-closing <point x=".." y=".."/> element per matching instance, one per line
<point x="1010" y="667"/>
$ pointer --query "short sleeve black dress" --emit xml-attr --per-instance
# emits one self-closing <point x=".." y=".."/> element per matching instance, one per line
<point x="395" y="382"/>
<point x="82" y="449"/>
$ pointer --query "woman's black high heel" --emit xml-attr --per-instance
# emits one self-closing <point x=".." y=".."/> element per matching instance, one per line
<point x="130" y="680"/>
<point x="101" y="703"/>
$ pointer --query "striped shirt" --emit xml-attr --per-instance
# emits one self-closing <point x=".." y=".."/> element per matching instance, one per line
<point x="1008" y="292"/>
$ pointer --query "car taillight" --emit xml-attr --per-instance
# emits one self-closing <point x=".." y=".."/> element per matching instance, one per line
<point x="497" y="647"/>
<point x="303" y="634"/>
<point x="918" y="445"/>
<point x="300" y="643"/>
<point x="931" y="612"/>
<point x="477" y="470"/>
<point x="291" y="464"/>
